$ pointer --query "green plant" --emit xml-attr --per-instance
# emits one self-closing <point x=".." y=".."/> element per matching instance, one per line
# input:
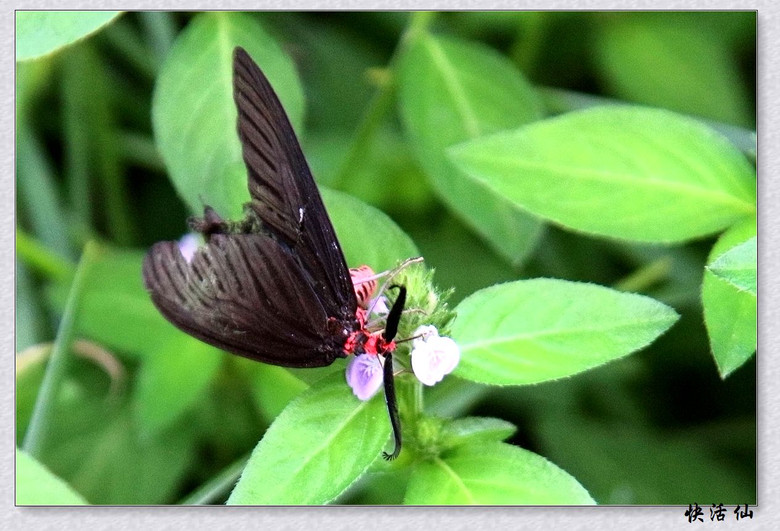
<point x="576" y="231"/>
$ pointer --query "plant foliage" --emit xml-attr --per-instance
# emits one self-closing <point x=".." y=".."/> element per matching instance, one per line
<point x="582" y="184"/>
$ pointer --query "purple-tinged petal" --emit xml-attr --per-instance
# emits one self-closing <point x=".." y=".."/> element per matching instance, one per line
<point x="188" y="245"/>
<point x="364" y="375"/>
<point x="447" y="351"/>
<point x="379" y="307"/>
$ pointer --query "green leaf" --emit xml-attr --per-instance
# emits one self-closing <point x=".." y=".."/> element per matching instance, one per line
<point x="38" y="200"/>
<point x="116" y="309"/>
<point x="33" y="78"/>
<point x="227" y="420"/>
<point x="112" y="464"/>
<point x="336" y="65"/>
<point x="738" y="266"/>
<point x="92" y="148"/>
<point x="628" y="463"/>
<point x="453" y="397"/>
<point x="386" y="176"/>
<point x="193" y="112"/>
<point x="623" y="172"/>
<point x="729" y="313"/>
<point x="272" y="387"/>
<point x="475" y="430"/>
<point x="320" y="444"/>
<point x="30" y="370"/>
<point x="36" y="485"/>
<point x="493" y="474"/>
<point x="681" y="66"/>
<point x="95" y="446"/>
<point x="449" y="238"/>
<point x="367" y="235"/>
<point x="378" y="486"/>
<point x="451" y="91"/>
<point x="173" y="378"/>
<point x="30" y="322"/>
<point x="40" y="33"/>
<point x="531" y="331"/>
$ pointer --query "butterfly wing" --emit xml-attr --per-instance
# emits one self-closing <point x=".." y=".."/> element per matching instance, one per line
<point x="284" y="295"/>
<point x="247" y="294"/>
<point x="284" y="195"/>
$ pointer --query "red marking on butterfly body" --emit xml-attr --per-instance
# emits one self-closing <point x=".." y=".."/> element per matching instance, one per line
<point x="363" y="341"/>
<point x="363" y="283"/>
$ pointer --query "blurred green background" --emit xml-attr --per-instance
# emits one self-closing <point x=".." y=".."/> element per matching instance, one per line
<point x="657" y="427"/>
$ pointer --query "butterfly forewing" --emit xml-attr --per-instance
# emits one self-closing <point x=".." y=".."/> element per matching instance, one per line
<point x="283" y="295"/>
<point x="284" y="195"/>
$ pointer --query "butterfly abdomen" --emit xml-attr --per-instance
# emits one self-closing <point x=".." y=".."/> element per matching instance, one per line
<point x="364" y="282"/>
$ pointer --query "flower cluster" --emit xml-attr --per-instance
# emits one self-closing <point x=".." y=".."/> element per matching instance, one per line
<point x="433" y="356"/>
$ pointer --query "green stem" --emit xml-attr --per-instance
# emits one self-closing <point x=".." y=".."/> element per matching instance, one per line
<point x="75" y="111"/>
<point x="646" y="276"/>
<point x="39" y="257"/>
<point x="418" y="399"/>
<point x="115" y="194"/>
<point x="217" y="486"/>
<point x="410" y="397"/>
<point x="380" y="104"/>
<point x="40" y="422"/>
<point x="38" y="200"/>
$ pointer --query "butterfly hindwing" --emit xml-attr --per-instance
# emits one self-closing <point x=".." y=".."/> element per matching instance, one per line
<point x="244" y="293"/>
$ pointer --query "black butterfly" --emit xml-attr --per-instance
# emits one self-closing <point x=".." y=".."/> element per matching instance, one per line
<point x="273" y="287"/>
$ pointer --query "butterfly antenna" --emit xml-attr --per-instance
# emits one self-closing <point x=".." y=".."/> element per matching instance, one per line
<point x="392" y="407"/>
<point x="391" y="329"/>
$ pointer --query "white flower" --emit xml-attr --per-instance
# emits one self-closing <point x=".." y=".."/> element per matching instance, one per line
<point x="364" y="375"/>
<point x="422" y="334"/>
<point x="433" y="356"/>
